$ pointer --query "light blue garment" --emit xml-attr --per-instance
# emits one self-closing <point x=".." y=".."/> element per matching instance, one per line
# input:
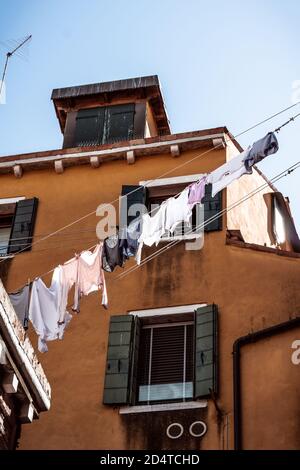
<point x="20" y="302"/>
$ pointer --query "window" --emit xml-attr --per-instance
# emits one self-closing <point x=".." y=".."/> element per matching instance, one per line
<point x="279" y="224"/>
<point x="184" y="230"/>
<point x="162" y="355"/>
<point x="17" y="220"/>
<point x="166" y="362"/>
<point x="7" y="209"/>
<point x="5" y="228"/>
<point x="153" y="193"/>
<point x="106" y="124"/>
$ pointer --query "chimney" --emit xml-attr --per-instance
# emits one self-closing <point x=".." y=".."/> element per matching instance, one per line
<point x="110" y="112"/>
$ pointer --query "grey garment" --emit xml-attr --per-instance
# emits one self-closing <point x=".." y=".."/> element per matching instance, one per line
<point x="20" y="302"/>
<point x="261" y="149"/>
<point x="129" y="238"/>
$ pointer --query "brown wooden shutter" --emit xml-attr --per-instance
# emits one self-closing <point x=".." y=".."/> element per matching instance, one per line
<point x="205" y="351"/>
<point x="23" y="225"/>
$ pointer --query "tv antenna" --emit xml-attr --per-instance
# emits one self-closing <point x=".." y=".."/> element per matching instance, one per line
<point x="8" y="56"/>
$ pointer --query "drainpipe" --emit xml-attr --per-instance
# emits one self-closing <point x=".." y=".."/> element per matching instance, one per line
<point x="242" y="341"/>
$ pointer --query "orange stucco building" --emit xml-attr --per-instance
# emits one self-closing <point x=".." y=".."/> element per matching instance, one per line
<point x="195" y="348"/>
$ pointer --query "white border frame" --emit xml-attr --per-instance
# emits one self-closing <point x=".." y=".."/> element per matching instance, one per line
<point x="11" y="200"/>
<point x="188" y="405"/>
<point x="151" y="312"/>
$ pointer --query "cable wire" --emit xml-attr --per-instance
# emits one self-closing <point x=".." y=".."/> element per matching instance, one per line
<point x="284" y="173"/>
<point x="161" y="176"/>
<point x="164" y="174"/>
<point x="247" y="196"/>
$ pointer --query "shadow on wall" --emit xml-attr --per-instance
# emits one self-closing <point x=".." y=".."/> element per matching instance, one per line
<point x="4" y="268"/>
<point x="150" y="430"/>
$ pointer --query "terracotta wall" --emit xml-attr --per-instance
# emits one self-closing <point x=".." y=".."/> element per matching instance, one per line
<point x="251" y="215"/>
<point x="271" y="394"/>
<point x="252" y="290"/>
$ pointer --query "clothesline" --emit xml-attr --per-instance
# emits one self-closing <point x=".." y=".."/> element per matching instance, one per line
<point x="167" y="173"/>
<point x="245" y="155"/>
<point x="240" y="158"/>
<point x="47" y="309"/>
<point x="276" y="178"/>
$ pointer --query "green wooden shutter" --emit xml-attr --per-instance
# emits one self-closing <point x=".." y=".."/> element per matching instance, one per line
<point x="89" y="127"/>
<point x="118" y="364"/>
<point x="134" y="361"/>
<point x="205" y="351"/>
<point x="212" y="206"/>
<point x="23" y="225"/>
<point x="119" y="123"/>
<point x="134" y="195"/>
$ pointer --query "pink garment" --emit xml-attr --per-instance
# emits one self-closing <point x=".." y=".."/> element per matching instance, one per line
<point x="197" y="191"/>
<point x="68" y="278"/>
<point x="90" y="276"/>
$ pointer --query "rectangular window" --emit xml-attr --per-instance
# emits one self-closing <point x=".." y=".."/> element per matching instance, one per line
<point x="162" y="355"/>
<point x="6" y="221"/>
<point x="17" y="220"/>
<point x="207" y="215"/>
<point x="105" y="124"/>
<point x="165" y="367"/>
<point x="4" y="238"/>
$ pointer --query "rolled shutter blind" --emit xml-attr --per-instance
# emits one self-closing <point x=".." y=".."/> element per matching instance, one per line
<point x="212" y="206"/>
<point x="133" y="195"/>
<point x="205" y="351"/>
<point x="172" y="361"/>
<point x="117" y="376"/>
<point x="23" y="225"/>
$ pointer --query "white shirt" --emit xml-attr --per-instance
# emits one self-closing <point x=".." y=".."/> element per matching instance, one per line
<point x="178" y="210"/>
<point x="230" y="171"/>
<point x="152" y="230"/>
<point x="45" y="308"/>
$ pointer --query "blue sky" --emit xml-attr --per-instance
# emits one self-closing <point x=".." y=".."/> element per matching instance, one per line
<point x="220" y="63"/>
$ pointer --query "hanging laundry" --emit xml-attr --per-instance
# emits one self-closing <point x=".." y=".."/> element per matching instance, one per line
<point x="152" y="229"/>
<point x="112" y="253"/>
<point x="44" y="310"/>
<point x="90" y="276"/>
<point x="197" y="191"/>
<point x="178" y="210"/>
<point x="227" y="173"/>
<point x="129" y="237"/>
<point x="20" y="302"/>
<point x="261" y="149"/>
<point x="69" y="274"/>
